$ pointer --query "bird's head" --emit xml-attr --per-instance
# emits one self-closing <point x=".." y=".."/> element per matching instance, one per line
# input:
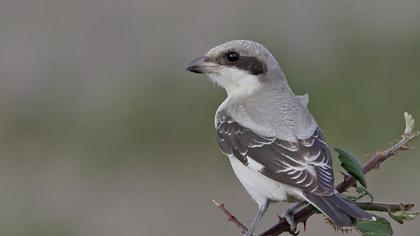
<point x="241" y="67"/>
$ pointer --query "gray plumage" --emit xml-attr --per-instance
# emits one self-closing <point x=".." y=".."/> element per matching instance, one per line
<point x="274" y="144"/>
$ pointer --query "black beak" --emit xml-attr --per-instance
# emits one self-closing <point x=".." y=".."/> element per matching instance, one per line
<point x="201" y="65"/>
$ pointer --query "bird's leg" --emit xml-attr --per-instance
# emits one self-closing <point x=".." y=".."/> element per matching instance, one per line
<point x="288" y="214"/>
<point x="261" y="210"/>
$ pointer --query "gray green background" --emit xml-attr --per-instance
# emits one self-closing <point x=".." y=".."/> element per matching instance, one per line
<point x="103" y="133"/>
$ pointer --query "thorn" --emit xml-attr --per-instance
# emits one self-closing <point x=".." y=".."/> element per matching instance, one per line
<point x="216" y="203"/>
<point x="407" y="148"/>
<point x="408" y="206"/>
<point x="304" y="224"/>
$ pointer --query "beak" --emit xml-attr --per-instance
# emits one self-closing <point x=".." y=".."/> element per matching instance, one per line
<point x="201" y="65"/>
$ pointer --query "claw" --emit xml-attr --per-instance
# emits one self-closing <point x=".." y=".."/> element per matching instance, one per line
<point x="247" y="233"/>
<point x="293" y="231"/>
<point x="288" y="214"/>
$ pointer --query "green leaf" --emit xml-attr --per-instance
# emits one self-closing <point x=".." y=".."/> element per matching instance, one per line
<point x="351" y="164"/>
<point x="363" y="192"/>
<point x="403" y="215"/>
<point x="380" y="227"/>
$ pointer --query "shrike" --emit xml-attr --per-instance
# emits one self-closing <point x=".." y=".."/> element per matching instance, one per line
<point x="274" y="145"/>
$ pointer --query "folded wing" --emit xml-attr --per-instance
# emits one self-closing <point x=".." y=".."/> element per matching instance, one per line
<point x="305" y="164"/>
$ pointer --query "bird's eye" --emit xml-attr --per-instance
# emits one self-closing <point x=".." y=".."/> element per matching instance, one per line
<point x="232" y="56"/>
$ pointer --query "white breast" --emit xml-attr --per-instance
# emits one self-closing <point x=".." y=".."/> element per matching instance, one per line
<point x="260" y="187"/>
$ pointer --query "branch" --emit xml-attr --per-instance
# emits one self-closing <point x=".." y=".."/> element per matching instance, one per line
<point x="385" y="207"/>
<point x="369" y="206"/>
<point x="230" y="216"/>
<point x="374" y="162"/>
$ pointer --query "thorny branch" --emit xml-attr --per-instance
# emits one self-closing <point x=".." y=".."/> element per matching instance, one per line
<point x="304" y="213"/>
<point x="230" y="216"/>
<point x="385" y="207"/>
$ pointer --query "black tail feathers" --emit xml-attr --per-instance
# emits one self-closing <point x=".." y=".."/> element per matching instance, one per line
<point x="342" y="212"/>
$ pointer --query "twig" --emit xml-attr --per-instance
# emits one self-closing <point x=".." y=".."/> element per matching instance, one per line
<point x="378" y="158"/>
<point x="385" y="207"/>
<point x="374" y="162"/>
<point x="230" y="216"/>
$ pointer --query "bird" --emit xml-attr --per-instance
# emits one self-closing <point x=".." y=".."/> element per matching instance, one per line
<point x="274" y="144"/>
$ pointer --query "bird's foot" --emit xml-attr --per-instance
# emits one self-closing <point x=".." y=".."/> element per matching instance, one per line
<point x="249" y="233"/>
<point x="288" y="214"/>
<point x="293" y="230"/>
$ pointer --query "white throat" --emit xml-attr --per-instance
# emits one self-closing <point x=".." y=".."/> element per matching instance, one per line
<point x="236" y="82"/>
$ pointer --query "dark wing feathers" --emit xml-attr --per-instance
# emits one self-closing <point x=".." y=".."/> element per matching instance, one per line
<point x="305" y="164"/>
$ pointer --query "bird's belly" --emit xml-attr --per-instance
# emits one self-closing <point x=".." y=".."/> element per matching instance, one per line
<point x="260" y="187"/>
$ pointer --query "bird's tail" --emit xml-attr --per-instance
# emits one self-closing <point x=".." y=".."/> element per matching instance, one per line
<point x="340" y="211"/>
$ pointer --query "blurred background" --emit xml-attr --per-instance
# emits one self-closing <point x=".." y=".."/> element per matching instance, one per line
<point x="103" y="133"/>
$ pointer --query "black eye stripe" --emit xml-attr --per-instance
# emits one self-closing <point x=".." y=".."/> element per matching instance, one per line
<point x="251" y="64"/>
